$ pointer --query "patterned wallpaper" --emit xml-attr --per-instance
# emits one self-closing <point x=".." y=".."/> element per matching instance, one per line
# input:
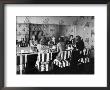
<point x="48" y="29"/>
<point x="53" y="29"/>
<point x="67" y="30"/>
<point x="84" y="26"/>
<point x="22" y="31"/>
<point x="85" y="29"/>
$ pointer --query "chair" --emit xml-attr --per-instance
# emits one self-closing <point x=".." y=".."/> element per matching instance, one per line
<point x="62" y="59"/>
<point x="84" y="58"/>
<point x="21" y="64"/>
<point x="44" y="61"/>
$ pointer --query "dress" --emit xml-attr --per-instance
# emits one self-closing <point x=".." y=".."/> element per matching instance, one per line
<point x="60" y="48"/>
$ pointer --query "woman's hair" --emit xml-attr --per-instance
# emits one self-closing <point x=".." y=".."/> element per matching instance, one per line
<point x="38" y="41"/>
<point x="71" y="36"/>
<point x="78" y="37"/>
<point x="32" y="37"/>
<point x="61" y="39"/>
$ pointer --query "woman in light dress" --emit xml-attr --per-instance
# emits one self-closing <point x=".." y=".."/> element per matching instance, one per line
<point x="61" y="46"/>
<point x="33" y="44"/>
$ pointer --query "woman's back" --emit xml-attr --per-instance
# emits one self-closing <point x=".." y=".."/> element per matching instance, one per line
<point x="61" y="46"/>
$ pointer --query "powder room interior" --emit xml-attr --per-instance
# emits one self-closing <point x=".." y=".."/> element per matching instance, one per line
<point x="76" y="58"/>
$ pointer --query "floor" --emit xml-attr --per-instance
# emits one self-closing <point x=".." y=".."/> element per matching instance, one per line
<point x="87" y="68"/>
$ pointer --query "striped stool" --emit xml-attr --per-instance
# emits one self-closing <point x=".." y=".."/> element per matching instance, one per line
<point x="21" y="63"/>
<point x="85" y="58"/>
<point x="43" y="62"/>
<point x="57" y="62"/>
<point x="45" y="66"/>
<point x="63" y="62"/>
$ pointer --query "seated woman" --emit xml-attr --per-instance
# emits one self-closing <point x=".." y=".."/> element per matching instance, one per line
<point x="53" y="40"/>
<point x="33" y="43"/>
<point x="22" y="43"/>
<point x="61" y="46"/>
<point x="77" y="53"/>
<point x="79" y="44"/>
<point x="50" y="43"/>
<point x="71" y="39"/>
<point x="39" y="45"/>
<point x="42" y="47"/>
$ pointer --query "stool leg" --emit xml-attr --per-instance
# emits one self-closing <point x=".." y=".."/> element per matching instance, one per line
<point x="25" y="60"/>
<point x="20" y="64"/>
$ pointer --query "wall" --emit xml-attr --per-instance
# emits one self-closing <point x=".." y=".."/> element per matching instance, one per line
<point x="83" y="26"/>
<point x="86" y="30"/>
<point x="48" y="29"/>
<point x="67" y="20"/>
<point x="22" y="31"/>
<point x="66" y="30"/>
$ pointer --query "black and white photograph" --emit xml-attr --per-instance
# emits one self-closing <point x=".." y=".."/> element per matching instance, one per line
<point x="55" y="45"/>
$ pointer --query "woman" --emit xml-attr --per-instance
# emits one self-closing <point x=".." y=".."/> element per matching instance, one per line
<point x="61" y="46"/>
<point x="50" y="43"/>
<point x="53" y="40"/>
<point x="77" y="53"/>
<point x="79" y="43"/>
<point x="39" y="46"/>
<point x="70" y="39"/>
<point x="33" y="43"/>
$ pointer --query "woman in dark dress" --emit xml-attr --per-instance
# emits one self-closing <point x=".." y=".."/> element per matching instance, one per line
<point x="77" y="53"/>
